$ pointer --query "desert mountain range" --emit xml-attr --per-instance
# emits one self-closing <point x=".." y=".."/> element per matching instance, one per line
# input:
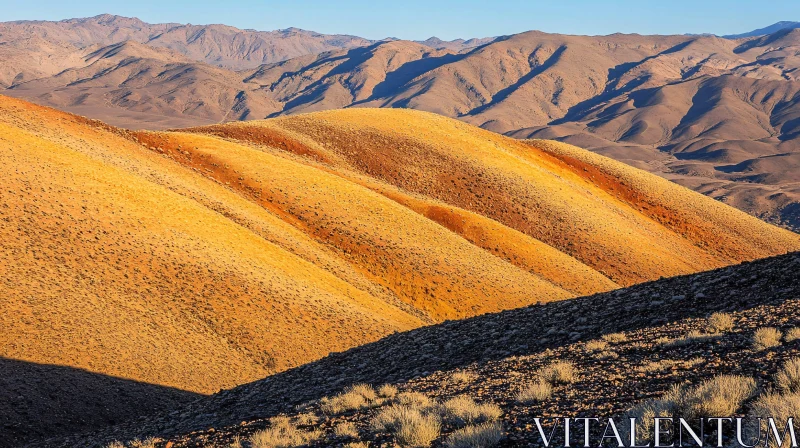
<point x="176" y="263"/>
<point x="717" y="115"/>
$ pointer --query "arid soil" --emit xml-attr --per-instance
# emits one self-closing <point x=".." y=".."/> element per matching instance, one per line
<point x="192" y="261"/>
<point x="626" y="346"/>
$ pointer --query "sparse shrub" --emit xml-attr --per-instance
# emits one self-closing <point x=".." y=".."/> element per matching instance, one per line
<point x="147" y="443"/>
<point x="411" y="425"/>
<point x="485" y="435"/>
<point x="413" y="399"/>
<point x="792" y="335"/>
<point x="356" y="445"/>
<point x="346" y="429"/>
<point x="236" y="442"/>
<point x="692" y="337"/>
<point x="538" y="391"/>
<point x="595" y="346"/>
<point x="387" y="391"/>
<point x="656" y="366"/>
<point x="720" y="322"/>
<point x="608" y="354"/>
<point x="614" y="338"/>
<point x="776" y="406"/>
<point x="766" y="337"/>
<point x="354" y="397"/>
<point x="281" y="434"/>
<point x="306" y="419"/>
<point x="464" y="410"/>
<point x="663" y="340"/>
<point x="115" y="444"/>
<point x="721" y="395"/>
<point x="788" y="379"/>
<point x="462" y="377"/>
<point x="561" y="372"/>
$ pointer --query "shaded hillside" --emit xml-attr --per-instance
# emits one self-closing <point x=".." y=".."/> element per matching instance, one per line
<point x="210" y="257"/>
<point x="625" y="346"/>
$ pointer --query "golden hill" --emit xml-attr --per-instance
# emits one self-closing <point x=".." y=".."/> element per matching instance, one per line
<point x="205" y="258"/>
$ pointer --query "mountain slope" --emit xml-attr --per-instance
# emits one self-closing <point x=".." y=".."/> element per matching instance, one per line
<point x="626" y="346"/>
<point x="716" y="115"/>
<point x="775" y="27"/>
<point x="206" y="258"/>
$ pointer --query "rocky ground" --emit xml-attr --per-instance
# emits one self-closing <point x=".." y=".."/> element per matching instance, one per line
<point x="626" y="346"/>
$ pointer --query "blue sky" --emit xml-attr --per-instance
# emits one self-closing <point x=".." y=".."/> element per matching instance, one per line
<point x="415" y="19"/>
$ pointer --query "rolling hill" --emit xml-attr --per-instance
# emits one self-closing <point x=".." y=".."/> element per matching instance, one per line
<point x="204" y="258"/>
<point x="713" y="114"/>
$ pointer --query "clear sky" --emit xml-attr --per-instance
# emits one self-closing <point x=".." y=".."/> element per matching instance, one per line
<point x="447" y="19"/>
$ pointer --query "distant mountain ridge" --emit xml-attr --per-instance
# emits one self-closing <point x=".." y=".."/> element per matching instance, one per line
<point x="720" y="116"/>
<point x="775" y="27"/>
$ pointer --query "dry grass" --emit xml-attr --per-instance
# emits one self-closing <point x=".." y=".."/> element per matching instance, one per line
<point x="236" y="443"/>
<point x="354" y="397"/>
<point x="793" y="334"/>
<point x="766" y="337"/>
<point x="720" y="322"/>
<point x="608" y="354"/>
<point x="536" y="392"/>
<point x="788" y="379"/>
<point x="779" y="407"/>
<point x="485" y="435"/>
<point x="414" y="399"/>
<point x="346" y="429"/>
<point x="412" y="426"/>
<point x="561" y="372"/>
<point x="721" y="395"/>
<point x="356" y="445"/>
<point x="614" y="338"/>
<point x="657" y="366"/>
<point x="463" y="410"/>
<point x="306" y="419"/>
<point x="115" y="444"/>
<point x="595" y="346"/>
<point x="147" y="443"/>
<point x="692" y="337"/>
<point x="387" y="391"/>
<point x="463" y="377"/>
<point x="282" y="434"/>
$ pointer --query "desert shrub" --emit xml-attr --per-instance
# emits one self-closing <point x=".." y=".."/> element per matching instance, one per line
<point x="766" y="337"/>
<point x="115" y="444"/>
<point x="779" y="407"/>
<point x="387" y="391"/>
<point x="608" y="354"/>
<point x="691" y="337"/>
<point x="462" y="377"/>
<point x="792" y="335"/>
<point x="236" y="443"/>
<point x="356" y="445"/>
<point x="614" y="337"/>
<point x="485" y="435"/>
<point x="788" y="378"/>
<point x="147" y="443"/>
<point x="411" y="425"/>
<point x="413" y="399"/>
<point x="656" y="366"/>
<point x="561" y="372"/>
<point x="306" y="419"/>
<point x="721" y="395"/>
<point x="595" y="346"/>
<point x="663" y="340"/>
<point x="720" y="322"/>
<point x="281" y="434"/>
<point x="538" y="391"/>
<point x="346" y="429"/>
<point x="354" y="397"/>
<point x="464" y="410"/>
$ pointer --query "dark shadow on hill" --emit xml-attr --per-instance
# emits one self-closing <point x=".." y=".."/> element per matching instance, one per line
<point x="41" y="400"/>
<point x="492" y="337"/>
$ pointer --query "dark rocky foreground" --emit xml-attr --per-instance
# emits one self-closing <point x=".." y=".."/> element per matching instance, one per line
<point x="502" y="352"/>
